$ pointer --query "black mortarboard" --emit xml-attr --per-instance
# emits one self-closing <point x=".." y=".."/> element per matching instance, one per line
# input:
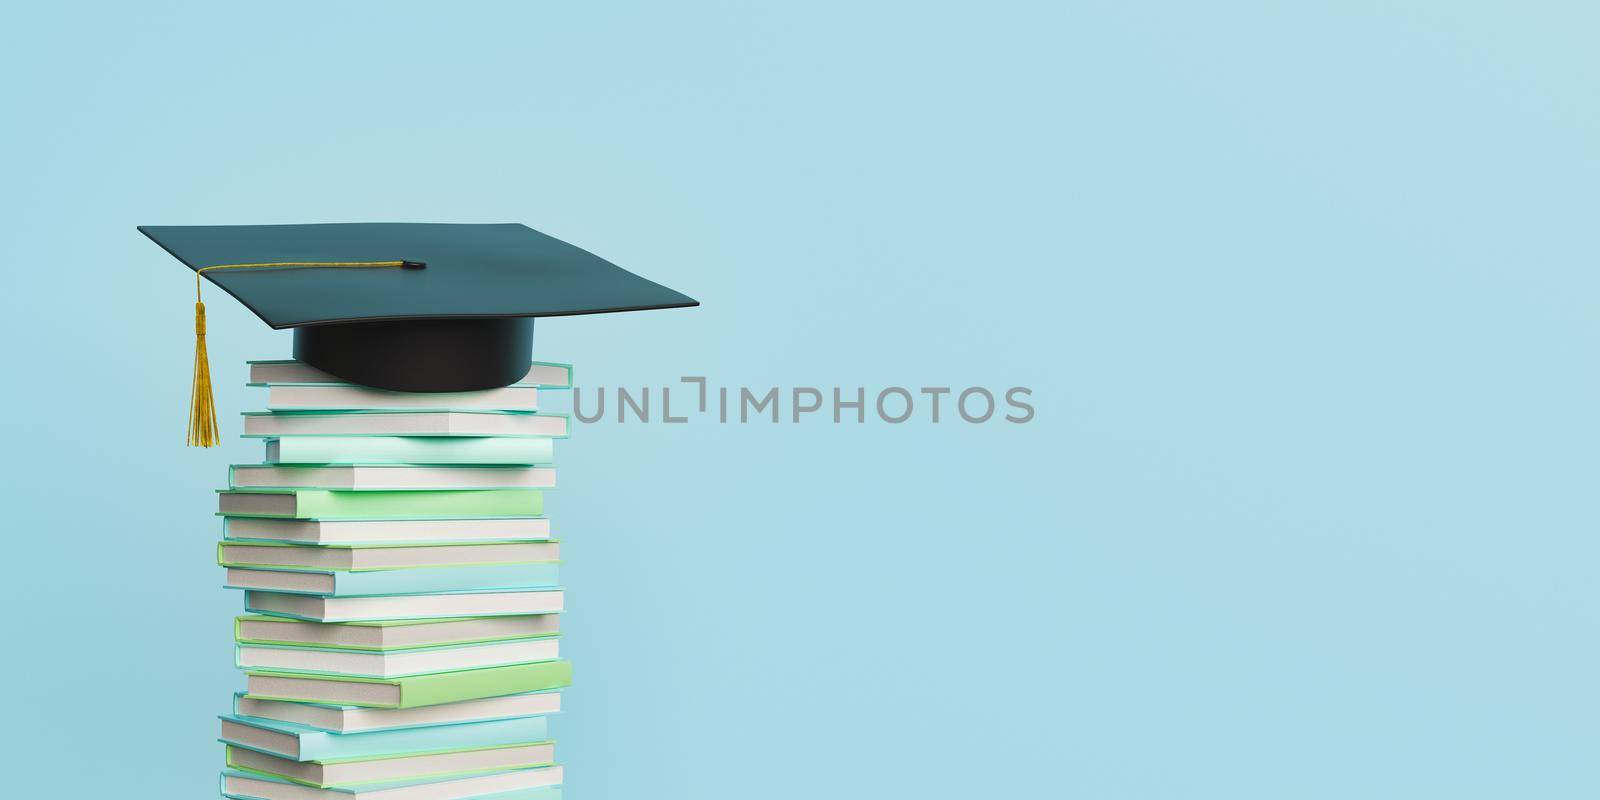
<point x="405" y="306"/>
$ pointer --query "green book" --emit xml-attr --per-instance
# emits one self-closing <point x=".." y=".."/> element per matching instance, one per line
<point x="339" y="504"/>
<point x="411" y="691"/>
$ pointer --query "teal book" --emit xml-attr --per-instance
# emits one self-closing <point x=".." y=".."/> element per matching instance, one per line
<point x="367" y="608"/>
<point x="536" y="783"/>
<point x="486" y="450"/>
<point x="354" y="719"/>
<point x="300" y="743"/>
<point x="410" y="580"/>
<point x="387" y="768"/>
<point x="336" y="504"/>
<point x="409" y="692"/>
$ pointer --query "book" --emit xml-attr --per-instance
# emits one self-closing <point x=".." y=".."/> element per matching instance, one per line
<point x="301" y="743"/>
<point x="541" y="374"/>
<point x="356" y="719"/>
<point x="358" y="609"/>
<point x="385" y="531"/>
<point x="379" y="769"/>
<point x="382" y="556"/>
<point x="404" y="423"/>
<point x="384" y="635"/>
<point x="409" y="450"/>
<point x="411" y="691"/>
<point x="335" y="504"/>
<point x="412" y="580"/>
<point x="535" y="783"/>
<point x="350" y="397"/>
<point x="359" y="477"/>
<point x="396" y="663"/>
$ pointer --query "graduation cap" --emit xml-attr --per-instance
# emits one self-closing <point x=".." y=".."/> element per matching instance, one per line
<point x="402" y="306"/>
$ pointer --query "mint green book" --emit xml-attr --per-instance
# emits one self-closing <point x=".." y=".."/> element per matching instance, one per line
<point x="487" y="450"/>
<point x="339" y="504"/>
<point x="411" y="691"/>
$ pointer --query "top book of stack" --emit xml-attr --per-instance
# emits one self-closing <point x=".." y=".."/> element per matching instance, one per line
<point x="305" y="401"/>
<point x="541" y="375"/>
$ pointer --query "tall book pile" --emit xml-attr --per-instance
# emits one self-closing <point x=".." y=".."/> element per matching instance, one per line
<point x="402" y="635"/>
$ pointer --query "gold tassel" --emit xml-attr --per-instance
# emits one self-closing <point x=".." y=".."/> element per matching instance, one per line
<point x="202" y="406"/>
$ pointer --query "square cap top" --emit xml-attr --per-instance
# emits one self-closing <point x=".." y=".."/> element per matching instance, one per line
<point x="469" y="271"/>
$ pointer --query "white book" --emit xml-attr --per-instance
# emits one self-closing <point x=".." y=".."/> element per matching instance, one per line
<point x="400" y="663"/>
<point x="356" y="719"/>
<point x="407" y="450"/>
<point x="348" y="397"/>
<point x="542" y="374"/>
<point x="262" y="629"/>
<point x="232" y="554"/>
<point x="536" y="783"/>
<point x="412" y="606"/>
<point x="404" y="423"/>
<point x="368" y="531"/>
<point x="388" y="477"/>
<point x="394" y="768"/>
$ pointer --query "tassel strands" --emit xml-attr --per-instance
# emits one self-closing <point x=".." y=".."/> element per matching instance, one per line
<point x="202" y="404"/>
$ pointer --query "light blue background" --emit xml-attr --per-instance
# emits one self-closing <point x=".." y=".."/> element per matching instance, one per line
<point x="1306" y="293"/>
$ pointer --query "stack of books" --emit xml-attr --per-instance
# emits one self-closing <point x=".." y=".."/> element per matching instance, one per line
<point x="402" y="640"/>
